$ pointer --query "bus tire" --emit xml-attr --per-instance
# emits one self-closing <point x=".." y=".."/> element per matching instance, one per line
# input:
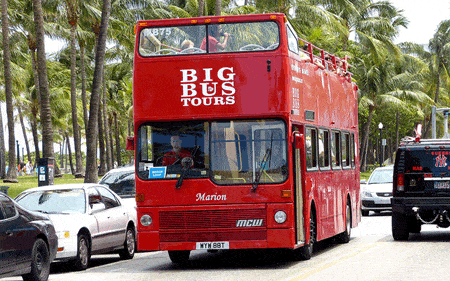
<point x="179" y="257"/>
<point x="305" y="252"/>
<point x="399" y="226"/>
<point x="344" y="237"/>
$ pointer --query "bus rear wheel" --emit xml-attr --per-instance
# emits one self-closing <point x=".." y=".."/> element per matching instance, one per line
<point x="179" y="257"/>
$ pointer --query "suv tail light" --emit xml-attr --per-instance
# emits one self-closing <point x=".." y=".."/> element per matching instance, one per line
<point x="400" y="182"/>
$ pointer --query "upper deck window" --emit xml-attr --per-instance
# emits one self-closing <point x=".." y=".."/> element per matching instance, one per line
<point x="193" y="39"/>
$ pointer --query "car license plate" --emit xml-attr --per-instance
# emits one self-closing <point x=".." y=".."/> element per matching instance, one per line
<point x="212" y="245"/>
<point x="441" y="185"/>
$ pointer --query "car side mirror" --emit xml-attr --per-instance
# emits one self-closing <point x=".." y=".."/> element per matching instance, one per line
<point x="130" y="143"/>
<point x="97" y="207"/>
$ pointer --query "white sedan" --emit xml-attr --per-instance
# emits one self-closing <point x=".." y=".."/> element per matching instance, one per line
<point x="88" y="218"/>
<point x="376" y="193"/>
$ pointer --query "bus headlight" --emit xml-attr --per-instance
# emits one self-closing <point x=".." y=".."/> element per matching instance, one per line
<point x="146" y="220"/>
<point x="280" y="217"/>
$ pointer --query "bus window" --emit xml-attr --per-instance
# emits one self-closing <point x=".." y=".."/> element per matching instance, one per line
<point x="324" y="149"/>
<point x="184" y="40"/>
<point x="242" y="151"/>
<point x="353" y="149"/>
<point x="336" y="150"/>
<point x="346" y="150"/>
<point x="292" y="40"/>
<point x="311" y="148"/>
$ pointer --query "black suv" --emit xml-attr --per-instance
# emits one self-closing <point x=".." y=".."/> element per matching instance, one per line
<point x="421" y="191"/>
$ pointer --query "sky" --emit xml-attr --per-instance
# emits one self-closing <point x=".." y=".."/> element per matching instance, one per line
<point x="424" y="17"/>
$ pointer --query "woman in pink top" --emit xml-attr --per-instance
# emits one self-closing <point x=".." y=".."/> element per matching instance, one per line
<point x="214" y="32"/>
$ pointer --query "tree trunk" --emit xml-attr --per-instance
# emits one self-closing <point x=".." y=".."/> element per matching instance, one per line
<point x="46" y="114"/>
<point x="364" y="141"/>
<point x="112" y="142"/>
<point x="73" y="99"/>
<point x="24" y="132"/>
<point x="2" y="149"/>
<point x="108" y="151"/>
<point x="72" y="169"/>
<point x="116" y="123"/>
<point x="218" y="10"/>
<point x="91" y="134"/>
<point x="12" y="171"/>
<point x="35" y="98"/>
<point x="201" y="7"/>
<point x="83" y="84"/>
<point x="101" y="144"/>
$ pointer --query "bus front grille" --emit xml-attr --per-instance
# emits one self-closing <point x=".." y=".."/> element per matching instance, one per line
<point x="212" y="219"/>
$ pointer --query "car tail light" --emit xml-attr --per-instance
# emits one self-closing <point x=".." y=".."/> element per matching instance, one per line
<point x="400" y="182"/>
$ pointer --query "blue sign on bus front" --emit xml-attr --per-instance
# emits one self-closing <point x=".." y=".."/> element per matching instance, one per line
<point x="157" y="173"/>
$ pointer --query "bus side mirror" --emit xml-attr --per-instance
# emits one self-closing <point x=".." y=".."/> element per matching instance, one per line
<point x="130" y="143"/>
<point x="299" y="141"/>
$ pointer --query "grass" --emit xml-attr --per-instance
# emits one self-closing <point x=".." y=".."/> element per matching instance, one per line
<point x="26" y="182"/>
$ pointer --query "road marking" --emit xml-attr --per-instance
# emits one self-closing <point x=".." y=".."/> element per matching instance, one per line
<point x="330" y="264"/>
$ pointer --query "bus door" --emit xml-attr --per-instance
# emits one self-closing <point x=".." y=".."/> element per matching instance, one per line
<point x="299" y="141"/>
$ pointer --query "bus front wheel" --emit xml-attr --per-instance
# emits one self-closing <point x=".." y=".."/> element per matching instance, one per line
<point x="305" y="252"/>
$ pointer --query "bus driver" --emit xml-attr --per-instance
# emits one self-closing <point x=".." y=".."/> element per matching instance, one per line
<point x="176" y="154"/>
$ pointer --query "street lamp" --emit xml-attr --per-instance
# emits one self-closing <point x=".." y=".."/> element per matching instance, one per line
<point x="380" y="126"/>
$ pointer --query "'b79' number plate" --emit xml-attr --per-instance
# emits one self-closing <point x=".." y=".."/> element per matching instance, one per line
<point x="212" y="245"/>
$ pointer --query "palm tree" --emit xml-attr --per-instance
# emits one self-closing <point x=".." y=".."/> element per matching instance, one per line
<point x="72" y="17"/>
<point x="12" y="174"/>
<point x="91" y="156"/>
<point x="46" y="114"/>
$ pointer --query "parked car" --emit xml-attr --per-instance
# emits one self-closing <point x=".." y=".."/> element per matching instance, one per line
<point x="121" y="181"/>
<point x="376" y="193"/>
<point x="28" y="242"/>
<point x="89" y="219"/>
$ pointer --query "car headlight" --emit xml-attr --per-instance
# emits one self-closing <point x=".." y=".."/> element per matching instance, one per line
<point x="146" y="220"/>
<point x="280" y="217"/>
<point x="367" y="194"/>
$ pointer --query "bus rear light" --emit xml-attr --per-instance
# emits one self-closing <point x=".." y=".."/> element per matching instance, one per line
<point x="146" y="220"/>
<point x="286" y="193"/>
<point x="280" y="217"/>
<point x="140" y="197"/>
<point x="400" y="182"/>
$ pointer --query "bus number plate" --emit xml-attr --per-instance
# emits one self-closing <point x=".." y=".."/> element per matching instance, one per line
<point x="441" y="185"/>
<point x="212" y="245"/>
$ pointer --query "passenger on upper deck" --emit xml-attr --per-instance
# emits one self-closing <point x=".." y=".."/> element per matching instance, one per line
<point x="215" y="31"/>
<point x="187" y="44"/>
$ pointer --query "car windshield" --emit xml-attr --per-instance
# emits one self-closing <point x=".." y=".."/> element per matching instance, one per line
<point x="54" y="201"/>
<point x="381" y="176"/>
<point x="225" y="37"/>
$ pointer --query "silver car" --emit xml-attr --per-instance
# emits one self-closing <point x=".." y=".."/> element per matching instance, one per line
<point x="376" y="193"/>
<point x="88" y="218"/>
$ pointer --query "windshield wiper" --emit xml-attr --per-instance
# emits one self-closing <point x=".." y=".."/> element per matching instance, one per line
<point x="186" y="164"/>
<point x="267" y="157"/>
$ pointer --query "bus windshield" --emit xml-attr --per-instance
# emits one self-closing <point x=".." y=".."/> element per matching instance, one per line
<point x="225" y="37"/>
<point x="229" y="152"/>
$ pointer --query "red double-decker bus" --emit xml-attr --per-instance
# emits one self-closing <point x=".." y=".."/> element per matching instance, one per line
<point x="245" y="137"/>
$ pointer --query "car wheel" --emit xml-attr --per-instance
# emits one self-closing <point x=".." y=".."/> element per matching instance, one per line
<point x="83" y="254"/>
<point x="40" y="262"/>
<point x="129" y="245"/>
<point x="399" y="226"/>
<point x="179" y="257"/>
<point x="305" y="252"/>
<point x="344" y="237"/>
